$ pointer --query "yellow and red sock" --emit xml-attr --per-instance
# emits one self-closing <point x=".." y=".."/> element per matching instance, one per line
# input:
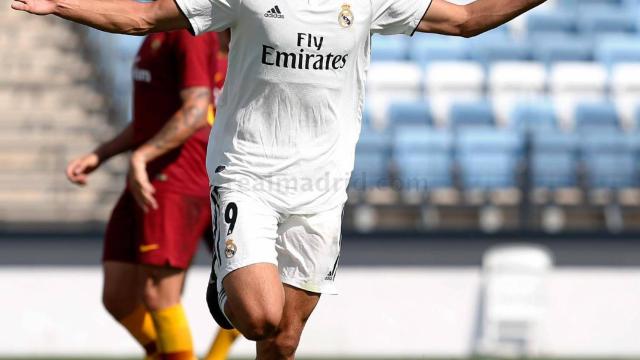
<point x="174" y="337"/>
<point x="140" y="325"/>
<point x="222" y="344"/>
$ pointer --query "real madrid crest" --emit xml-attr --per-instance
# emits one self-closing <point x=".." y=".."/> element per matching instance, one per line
<point x="345" y="17"/>
<point x="230" y="249"/>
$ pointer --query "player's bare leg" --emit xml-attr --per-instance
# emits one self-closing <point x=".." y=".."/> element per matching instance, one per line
<point x="162" y="289"/>
<point x="120" y="292"/>
<point x="122" y="297"/>
<point x="299" y="305"/>
<point x="255" y="300"/>
<point x="162" y="286"/>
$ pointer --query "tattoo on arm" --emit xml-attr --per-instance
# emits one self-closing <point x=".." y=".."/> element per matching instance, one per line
<point x="190" y="118"/>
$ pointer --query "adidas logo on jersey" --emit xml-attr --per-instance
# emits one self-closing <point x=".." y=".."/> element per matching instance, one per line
<point x="274" y="12"/>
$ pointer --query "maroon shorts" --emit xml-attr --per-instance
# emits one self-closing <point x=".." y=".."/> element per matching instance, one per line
<point x="167" y="236"/>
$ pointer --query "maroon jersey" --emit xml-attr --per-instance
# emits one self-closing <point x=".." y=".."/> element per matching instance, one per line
<point x="166" y="64"/>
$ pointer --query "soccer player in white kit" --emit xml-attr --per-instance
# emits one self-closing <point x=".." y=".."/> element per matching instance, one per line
<point x="283" y="147"/>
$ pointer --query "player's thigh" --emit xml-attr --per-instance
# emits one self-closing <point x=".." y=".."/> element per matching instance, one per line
<point x="168" y="242"/>
<point x="255" y="299"/>
<point x="309" y="250"/>
<point x="121" y="235"/>
<point x="122" y="292"/>
<point x="245" y="258"/>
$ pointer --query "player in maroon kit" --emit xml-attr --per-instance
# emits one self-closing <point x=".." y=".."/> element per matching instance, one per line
<point x="164" y="211"/>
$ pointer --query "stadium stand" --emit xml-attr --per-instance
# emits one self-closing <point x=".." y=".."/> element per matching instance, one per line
<point x="488" y="158"/>
<point x="372" y="169"/>
<point x="426" y="48"/>
<point x="447" y="82"/>
<point x="554" y="167"/>
<point x="392" y="81"/>
<point x="530" y="116"/>
<point x="472" y="114"/>
<point x="625" y="91"/>
<point x="423" y="158"/>
<point x="410" y="113"/>
<point x="513" y="82"/>
<point x="50" y="110"/>
<point x="546" y="107"/>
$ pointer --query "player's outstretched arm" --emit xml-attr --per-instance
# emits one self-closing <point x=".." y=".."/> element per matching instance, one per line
<point x="116" y="16"/>
<point x="472" y="19"/>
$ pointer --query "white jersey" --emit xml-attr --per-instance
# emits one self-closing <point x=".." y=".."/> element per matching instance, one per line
<point x="289" y="116"/>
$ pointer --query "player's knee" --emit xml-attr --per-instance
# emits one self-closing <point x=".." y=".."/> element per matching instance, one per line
<point x="155" y="300"/>
<point x="116" y="305"/>
<point x="152" y="300"/>
<point x="260" y="326"/>
<point x="286" y="344"/>
<point x="109" y="304"/>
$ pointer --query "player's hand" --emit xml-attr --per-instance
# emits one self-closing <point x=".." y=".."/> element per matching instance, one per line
<point x="38" y="7"/>
<point x="139" y="184"/>
<point x="79" y="169"/>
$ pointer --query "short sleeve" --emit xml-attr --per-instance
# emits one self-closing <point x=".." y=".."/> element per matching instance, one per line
<point x="194" y="60"/>
<point x="209" y="15"/>
<point x="392" y="17"/>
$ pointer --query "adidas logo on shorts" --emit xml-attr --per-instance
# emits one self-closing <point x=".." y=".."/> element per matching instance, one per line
<point x="274" y="12"/>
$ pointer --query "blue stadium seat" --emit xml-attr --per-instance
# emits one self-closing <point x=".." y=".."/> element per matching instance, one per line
<point x="367" y="122"/>
<point x="636" y="117"/>
<point x="410" y="139"/>
<point x="597" y="20"/>
<point x="371" y="167"/>
<point x="410" y="113"/>
<point x="472" y="114"/>
<point x="373" y="141"/>
<point x="423" y="157"/>
<point x="426" y="48"/>
<point x="389" y="48"/>
<point x="596" y="115"/>
<point x="489" y="158"/>
<point x="533" y="116"/>
<point x="496" y="35"/>
<point x="506" y="50"/>
<point x="554" y="162"/>
<point x="488" y="171"/>
<point x="551" y="21"/>
<point x="488" y="140"/>
<point x="612" y="171"/>
<point x="633" y="138"/>
<point x="613" y="141"/>
<point x="554" y="141"/>
<point x="609" y="160"/>
<point x="554" y="47"/>
<point x="576" y="4"/>
<point x="631" y="5"/>
<point x="611" y="50"/>
<point x="553" y="170"/>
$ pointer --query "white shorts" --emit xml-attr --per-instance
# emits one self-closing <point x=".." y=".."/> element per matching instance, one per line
<point x="247" y="231"/>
